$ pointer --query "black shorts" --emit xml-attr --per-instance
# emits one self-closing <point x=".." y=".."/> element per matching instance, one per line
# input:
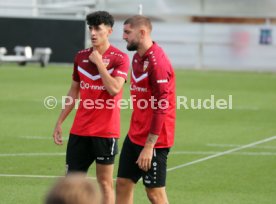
<point x="154" y="177"/>
<point x="83" y="151"/>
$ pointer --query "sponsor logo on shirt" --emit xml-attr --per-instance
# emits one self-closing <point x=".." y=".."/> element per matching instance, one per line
<point x="137" y="88"/>
<point x="85" y="61"/>
<point x="84" y="85"/>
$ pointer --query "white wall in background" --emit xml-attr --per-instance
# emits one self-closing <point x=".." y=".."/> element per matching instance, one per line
<point x="215" y="46"/>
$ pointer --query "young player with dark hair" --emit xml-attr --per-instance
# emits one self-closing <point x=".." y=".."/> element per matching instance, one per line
<point x="98" y="77"/>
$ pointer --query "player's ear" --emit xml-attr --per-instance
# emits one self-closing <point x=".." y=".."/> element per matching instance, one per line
<point x="110" y="30"/>
<point x="142" y="33"/>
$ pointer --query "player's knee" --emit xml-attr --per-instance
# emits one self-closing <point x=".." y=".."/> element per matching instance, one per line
<point x="153" y="197"/>
<point x="106" y="185"/>
<point x="156" y="197"/>
<point x="123" y="186"/>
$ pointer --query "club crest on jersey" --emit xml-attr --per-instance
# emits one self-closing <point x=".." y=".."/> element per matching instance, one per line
<point x="146" y="64"/>
<point x="106" y="62"/>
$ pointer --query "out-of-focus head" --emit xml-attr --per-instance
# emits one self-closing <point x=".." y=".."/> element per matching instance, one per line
<point x="73" y="189"/>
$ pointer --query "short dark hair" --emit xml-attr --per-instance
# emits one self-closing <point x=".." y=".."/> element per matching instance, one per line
<point x="99" y="17"/>
<point x="139" y="20"/>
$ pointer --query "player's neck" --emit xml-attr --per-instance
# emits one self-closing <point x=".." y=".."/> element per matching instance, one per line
<point x="144" y="47"/>
<point x="102" y="48"/>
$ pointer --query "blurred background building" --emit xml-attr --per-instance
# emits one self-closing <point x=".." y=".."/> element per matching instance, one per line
<point x="200" y="34"/>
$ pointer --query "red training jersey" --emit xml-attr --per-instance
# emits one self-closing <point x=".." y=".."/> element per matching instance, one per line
<point x="98" y="113"/>
<point x="153" y="95"/>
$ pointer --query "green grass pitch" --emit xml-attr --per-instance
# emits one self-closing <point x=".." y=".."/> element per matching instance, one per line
<point x="242" y="177"/>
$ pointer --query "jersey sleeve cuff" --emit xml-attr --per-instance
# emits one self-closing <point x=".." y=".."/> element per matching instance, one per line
<point x="120" y="74"/>
<point x="157" y="123"/>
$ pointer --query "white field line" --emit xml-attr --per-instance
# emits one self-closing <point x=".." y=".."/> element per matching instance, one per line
<point x="28" y="176"/>
<point x="170" y="169"/>
<point x="234" y="153"/>
<point x="31" y="154"/>
<point x="40" y="137"/>
<point x="237" y="145"/>
<point x="39" y="154"/>
<point x="35" y="176"/>
<point x="223" y="153"/>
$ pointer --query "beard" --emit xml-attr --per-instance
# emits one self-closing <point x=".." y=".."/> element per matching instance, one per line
<point x="132" y="46"/>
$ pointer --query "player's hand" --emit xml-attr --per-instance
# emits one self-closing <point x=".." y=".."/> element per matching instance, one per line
<point x="145" y="157"/>
<point x="57" y="135"/>
<point x="95" y="57"/>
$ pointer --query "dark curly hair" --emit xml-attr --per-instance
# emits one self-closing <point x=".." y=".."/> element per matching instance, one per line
<point x="99" y="17"/>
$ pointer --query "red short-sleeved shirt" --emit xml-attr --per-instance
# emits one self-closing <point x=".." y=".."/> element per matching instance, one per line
<point x="152" y="80"/>
<point x="97" y="114"/>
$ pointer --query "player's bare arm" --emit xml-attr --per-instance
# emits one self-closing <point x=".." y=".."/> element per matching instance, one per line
<point x="151" y="140"/>
<point x="74" y="94"/>
<point x="145" y="157"/>
<point x="112" y="84"/>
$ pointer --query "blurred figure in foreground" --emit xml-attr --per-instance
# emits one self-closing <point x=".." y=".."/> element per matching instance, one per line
<point x="75" y="188"/>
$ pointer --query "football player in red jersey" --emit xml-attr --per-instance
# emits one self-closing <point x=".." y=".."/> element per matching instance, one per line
<point x="98" y="77"/>
<point x="151" y="132"/>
